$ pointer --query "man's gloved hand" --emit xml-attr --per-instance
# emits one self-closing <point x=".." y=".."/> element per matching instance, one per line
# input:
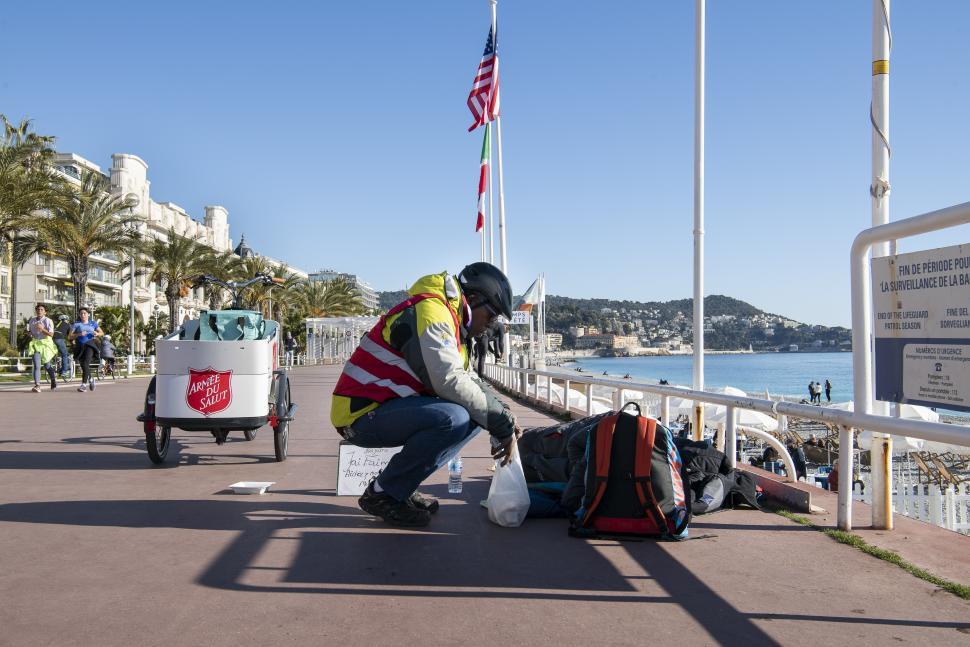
<point x="502" y="447"/>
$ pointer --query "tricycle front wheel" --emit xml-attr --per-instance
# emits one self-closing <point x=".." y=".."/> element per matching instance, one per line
<point x="157" y="437"/>
<point x="281" y="432"/>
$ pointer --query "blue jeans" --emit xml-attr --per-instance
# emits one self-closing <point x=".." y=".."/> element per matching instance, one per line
<point x="431" y="430"/>
<point x="65" y="356"/>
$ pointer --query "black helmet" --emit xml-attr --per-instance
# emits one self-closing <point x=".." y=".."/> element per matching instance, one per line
<point x="490" y="282"/>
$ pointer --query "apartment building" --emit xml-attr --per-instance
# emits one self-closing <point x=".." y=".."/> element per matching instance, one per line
<point x="368" y="295"/>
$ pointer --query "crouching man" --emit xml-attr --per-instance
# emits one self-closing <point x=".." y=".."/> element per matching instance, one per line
<point x="408" y="384"/>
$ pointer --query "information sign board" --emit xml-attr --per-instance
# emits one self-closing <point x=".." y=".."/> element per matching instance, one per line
<point x="921" y="312"/>
<point x="521" y="318"/>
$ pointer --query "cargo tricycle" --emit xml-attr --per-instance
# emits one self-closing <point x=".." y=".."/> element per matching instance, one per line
<point x="219" y="373"/>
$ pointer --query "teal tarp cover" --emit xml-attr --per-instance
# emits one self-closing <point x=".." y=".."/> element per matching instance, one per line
<point x="231" y="325"/>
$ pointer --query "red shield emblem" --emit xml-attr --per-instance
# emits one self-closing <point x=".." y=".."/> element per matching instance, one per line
<point x="209" y="391"/>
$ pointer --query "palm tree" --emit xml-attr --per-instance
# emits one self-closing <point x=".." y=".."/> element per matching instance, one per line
<point x="174" y="264"/>
<point x="225" y="266"/>
<point x="27" y="184"/>
<point x="255" y="295"/>
<point x="87" y="220"/>
<point x="334" y="298"/>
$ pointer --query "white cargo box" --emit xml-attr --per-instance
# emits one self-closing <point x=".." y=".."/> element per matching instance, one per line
<point x="220" y="379"/>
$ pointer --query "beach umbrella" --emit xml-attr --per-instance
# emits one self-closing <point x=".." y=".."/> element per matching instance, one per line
<point x="907" y="411"/>
<point x="901" y="444"/>
<point x="747" y="418"/>
<point x="681" y="406"/>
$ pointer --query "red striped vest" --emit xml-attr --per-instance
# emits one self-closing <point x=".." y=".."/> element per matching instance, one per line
<point x="378" y="372"/>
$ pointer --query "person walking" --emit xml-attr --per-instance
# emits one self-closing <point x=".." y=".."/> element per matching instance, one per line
<point x="83" y="333"/>
<point x="61" y="331"/>
<point x="408" y="385"/>
<point x="811" y="391"/>
<point x="828" y="390"/>
<point x="41" y="346"/>
<point x="290" y="345"/>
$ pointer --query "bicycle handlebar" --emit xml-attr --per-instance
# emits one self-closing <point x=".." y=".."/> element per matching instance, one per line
<point x="235" y="287"/>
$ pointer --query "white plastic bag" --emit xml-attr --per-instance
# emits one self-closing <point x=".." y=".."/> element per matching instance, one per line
<point x="508" y="496"/>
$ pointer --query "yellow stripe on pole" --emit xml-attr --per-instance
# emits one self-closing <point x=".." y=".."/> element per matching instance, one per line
<point x="880" y="67"/>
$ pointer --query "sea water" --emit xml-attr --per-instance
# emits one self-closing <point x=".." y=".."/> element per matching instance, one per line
<point x="779" y="373"/>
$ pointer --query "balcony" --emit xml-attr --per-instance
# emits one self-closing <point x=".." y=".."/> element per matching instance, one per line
<point x="106" y="257"/>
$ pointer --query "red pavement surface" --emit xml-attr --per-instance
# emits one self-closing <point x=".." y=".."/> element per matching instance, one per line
<point x="99" y="548"/>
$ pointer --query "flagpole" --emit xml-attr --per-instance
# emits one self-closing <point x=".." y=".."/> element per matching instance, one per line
<point x="699" y="217"/>
<point x="882" y="498"/>
<point x="491" y="204"/>
<point x="498" y="140"/>
<point x="484" y="256"/>
<point x="503" y="259"/>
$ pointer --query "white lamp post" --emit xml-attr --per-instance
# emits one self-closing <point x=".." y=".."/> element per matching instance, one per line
<point x="133" y="201"/>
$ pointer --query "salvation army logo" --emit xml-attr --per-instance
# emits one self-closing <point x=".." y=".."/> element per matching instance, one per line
<point x="209" y="391"/>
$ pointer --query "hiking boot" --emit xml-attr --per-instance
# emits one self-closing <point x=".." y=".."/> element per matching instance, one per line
<point x="392" y="511"/>
<point x="424" y="502"/>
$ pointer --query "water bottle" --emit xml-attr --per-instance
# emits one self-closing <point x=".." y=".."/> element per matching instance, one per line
<point x="454" y="475"/>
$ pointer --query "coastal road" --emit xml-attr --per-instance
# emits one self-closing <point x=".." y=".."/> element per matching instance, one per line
<point x="98" y="547"/>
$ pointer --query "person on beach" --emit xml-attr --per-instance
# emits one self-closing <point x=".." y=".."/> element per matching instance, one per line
<point x="828" y="390"/>
<point x="61" y="331"/>
<point x="811" y="392"/>
<point x="83" y="333"/>
<point x="798" y="458"/>
<point x="41" y="346"/>
<point x="408" y="384"/>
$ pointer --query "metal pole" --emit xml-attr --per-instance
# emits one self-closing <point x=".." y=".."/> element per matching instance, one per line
<point x="730" y="438"/>
<point x="498" y="140"/>
<point x="698" y="382"/>
<point x="133" y="201"/>
<point x="131" y="318"/>
<point x="881" y="453"/>
<point x="491" y="205"/>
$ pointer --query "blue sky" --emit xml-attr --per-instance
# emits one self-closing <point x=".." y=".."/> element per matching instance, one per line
<point x="335" y="132"/>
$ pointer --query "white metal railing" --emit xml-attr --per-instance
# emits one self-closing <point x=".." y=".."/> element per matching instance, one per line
<point x="862" y="367"/>
<point x="947" y="507"/>
<point x="527" y="382"/>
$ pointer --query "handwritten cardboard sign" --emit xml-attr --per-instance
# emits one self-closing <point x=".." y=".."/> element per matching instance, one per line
<point x="358" y="465"/>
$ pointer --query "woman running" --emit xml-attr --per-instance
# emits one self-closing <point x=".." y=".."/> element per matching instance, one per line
<point x="83" y="332"/>
<point x="41" y="345"/>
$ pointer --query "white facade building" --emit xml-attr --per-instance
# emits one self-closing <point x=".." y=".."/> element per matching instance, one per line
<point x="47" y="279"/>
<point x="368" y="295"/>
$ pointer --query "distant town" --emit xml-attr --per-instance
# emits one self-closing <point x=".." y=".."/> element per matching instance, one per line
<point x="624" y="328"/>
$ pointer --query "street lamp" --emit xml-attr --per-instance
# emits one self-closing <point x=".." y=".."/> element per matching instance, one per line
<point x="132" y="201"/>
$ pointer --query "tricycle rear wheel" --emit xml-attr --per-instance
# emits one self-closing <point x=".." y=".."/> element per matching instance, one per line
<point x="157" y="442"/>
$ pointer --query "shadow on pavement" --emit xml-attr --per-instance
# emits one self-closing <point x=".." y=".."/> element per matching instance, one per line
<point x="336" y="550"/>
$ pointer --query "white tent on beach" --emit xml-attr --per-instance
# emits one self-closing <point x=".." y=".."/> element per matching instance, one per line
<point x="904" y="444"/>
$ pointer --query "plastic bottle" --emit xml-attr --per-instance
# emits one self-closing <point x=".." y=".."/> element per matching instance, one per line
<point x="454" y="475"/>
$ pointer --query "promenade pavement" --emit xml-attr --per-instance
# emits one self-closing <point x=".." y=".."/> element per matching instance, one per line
<point x="98" y="547"/>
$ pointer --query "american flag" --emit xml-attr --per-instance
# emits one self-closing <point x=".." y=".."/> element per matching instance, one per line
<point x="483" y="99"/>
